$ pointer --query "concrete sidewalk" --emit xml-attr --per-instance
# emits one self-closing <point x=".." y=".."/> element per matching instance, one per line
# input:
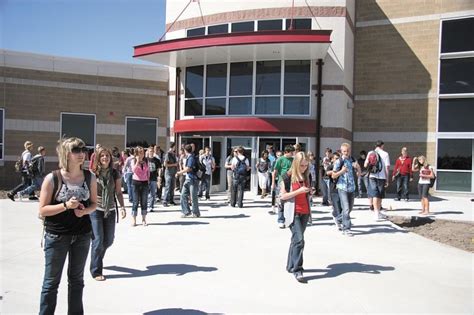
<point x="233" y="260"/>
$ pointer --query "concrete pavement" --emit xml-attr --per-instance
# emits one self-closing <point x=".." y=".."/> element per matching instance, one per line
<point x="233" y="260"/>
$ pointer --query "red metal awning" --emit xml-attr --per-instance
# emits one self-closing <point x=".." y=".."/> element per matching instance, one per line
<point x="235" y="47"/>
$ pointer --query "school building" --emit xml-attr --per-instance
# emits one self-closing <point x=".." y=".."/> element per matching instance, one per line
<point x="255" y="73"/>
<point x="320" y="73"/>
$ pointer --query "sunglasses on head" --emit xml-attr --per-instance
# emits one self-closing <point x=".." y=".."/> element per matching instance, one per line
<point x="77" y="150"/>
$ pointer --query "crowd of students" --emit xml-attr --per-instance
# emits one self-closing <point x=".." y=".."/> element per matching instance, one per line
<point x="81" y="207"/>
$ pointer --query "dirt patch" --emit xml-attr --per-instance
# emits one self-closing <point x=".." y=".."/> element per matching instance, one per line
<point x="459" y="234"/>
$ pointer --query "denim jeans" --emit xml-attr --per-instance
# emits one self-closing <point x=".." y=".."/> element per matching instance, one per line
<point x="281" y="216"/>
<point x="347" y="203"/>
<point x="336" y="205"/>
<point x="325" y="190"/>
<point x="229" y="185"/>
<point x="402" y="186"/>
<point x="36" y="183"/>
<point x="365" y="181"/>
<point x="205" y="185"/>
<point x="168" y="191"/>
<point x="295" y="253"/>
<point x="140" y="195"/>
<point x="56" y="249"/>
<point x="190" y="187"/>
<point x="25" y="182"/>
<point x="129" y="181"/>
<point x="237" y="195"/>
<point x="104" y="233"/>
<point x="152" y="194"/>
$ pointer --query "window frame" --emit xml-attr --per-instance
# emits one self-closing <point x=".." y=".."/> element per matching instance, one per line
<point x="78" y="114"/>
<point x="253" y="96"/>
<point x="141" y="117"/>
<point x="2" y="142"/>
<point x="451" y="135"/>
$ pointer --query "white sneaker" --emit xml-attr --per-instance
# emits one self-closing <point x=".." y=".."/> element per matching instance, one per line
<point x="338" y="225"/>
<point x="347" y="233"/>
<point x="19" y="196"/>
<point x="281" y="225"/>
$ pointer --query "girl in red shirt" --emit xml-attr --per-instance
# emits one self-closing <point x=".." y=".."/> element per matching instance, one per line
<point x="295" y="193"/>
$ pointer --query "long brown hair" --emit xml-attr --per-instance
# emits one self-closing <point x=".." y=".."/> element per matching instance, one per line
<point x="97" y="166"/>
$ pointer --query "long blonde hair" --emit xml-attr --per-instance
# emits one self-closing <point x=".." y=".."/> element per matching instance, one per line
<point x="296" y="174"/>
<point x="64" y="148"/>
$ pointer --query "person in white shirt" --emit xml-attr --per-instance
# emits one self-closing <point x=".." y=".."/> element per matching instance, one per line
<point x="207" y="160"/>
<point x="25" y="174"/>
<point x="378" y="181"/>
<point x="240" y="167"/>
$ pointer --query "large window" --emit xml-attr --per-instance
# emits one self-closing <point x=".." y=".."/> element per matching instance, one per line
<point x="141" y="131"/>
<point x="270" y="25"/>
<point x="79" y="125"/>
<point x="298" y="24"/>
<point x="2" y="131"/>
<point x="455" y="135"/>
<point x="249" y="88"/>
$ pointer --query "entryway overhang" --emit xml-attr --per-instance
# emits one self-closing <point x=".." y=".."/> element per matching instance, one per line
<point x="236" y="47"/>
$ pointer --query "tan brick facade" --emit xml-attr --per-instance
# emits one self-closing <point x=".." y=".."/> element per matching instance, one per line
<point x="32" y="97"/>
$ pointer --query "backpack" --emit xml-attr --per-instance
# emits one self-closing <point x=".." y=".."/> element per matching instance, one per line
<point x="33" y="167"/>
<point x="374" y="162"/>
<point x="240" y="168"/>
<point x="19" y="164"/>
<point x="199" y="169"/>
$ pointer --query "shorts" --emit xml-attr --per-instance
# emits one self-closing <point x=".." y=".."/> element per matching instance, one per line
<point x="376" y="188"/>
<point x="423" y="190"/>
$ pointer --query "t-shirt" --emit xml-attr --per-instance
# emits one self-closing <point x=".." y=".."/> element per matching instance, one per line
<point x="301" y="200"/>
<point x="425" y="171"/>
<point x="154" y="165"/>
<point x="170" y="158"/>
<point x="208" y="160"/>
<point x="283" y="165"/>
<point x="228" y="162"/>
<point x="385" y="163"/>
<point x="190" y="160"/>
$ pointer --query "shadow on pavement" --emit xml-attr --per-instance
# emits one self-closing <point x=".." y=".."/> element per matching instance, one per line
<point x="181" y="223"/>
<point x="177" y="311"/>
<point x="236" y="216"/>
<point x="177" y="269"/>
<point x="336" y="270"/>
<point x="447" y="212"/>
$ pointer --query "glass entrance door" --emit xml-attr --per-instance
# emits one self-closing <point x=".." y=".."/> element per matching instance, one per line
<point x="218" y="180"/>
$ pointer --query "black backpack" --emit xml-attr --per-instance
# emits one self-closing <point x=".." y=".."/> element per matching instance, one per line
<point x="34" y="165"/>
<point x="199" y="169"/>
<point x="240" y="168"/>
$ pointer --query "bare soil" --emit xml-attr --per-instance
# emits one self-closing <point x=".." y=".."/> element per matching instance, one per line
<point x="459" y="234"/>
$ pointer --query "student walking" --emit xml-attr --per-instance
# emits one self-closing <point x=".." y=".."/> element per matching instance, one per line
<point x="128" y="174"/>
<point x="240" y="167"/>
<point x="140" y="178"/>
<point x="190" y="186"/>
<point x="282" y="165"/>
<point x="427" y="174"/>
<point x="229" y="173"/>
<point x="24" y="171"/>
<point x="154" y="167"/>
<point x="295" y="190"/>
<point x="403" y="174"/>
<point x="37" y="173"/>
<point x="68" y="196"/>
<point x="171" y="168"/>
<point x="103" y="219"/>
<point x="262" y="167"/>
<point x="378" y="164"/>
<point x="208" y="161"/>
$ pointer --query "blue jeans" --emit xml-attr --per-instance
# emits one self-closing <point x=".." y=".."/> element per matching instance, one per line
<point x="237" y="194"/>
<point x="140" y="194"/>
<point x="128" y="181"/>
<point x="56" y="249"/>
<point x="190" y="187"/>
<point x="104" y="233"/>
<point x="168" y="191"/>
<point x="281" y="216"/>
<point x="152" y="194"/>
<point x="25" y="182"/>
<point x="325" y="190"/>
<point x="347" y="203"/>
<point x="336" y="205"/>
<point x="205" y="185"/>
<point x="36" y="183"/>
<point x="295" y="253"/>
<point x="402" y="186"/>
<point x="363" y="180"/>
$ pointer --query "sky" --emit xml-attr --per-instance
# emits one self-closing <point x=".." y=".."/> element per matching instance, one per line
<point x="103" y="30"/>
